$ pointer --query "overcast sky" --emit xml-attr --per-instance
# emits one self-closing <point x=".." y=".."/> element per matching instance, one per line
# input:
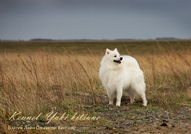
<point x="94" y="19"/>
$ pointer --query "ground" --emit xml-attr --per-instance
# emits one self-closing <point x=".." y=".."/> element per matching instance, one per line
<point x="134" y="118"/>
<point x="128" y="118"/>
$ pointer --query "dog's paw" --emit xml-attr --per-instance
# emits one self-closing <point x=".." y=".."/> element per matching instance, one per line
<point x="132" y="101"/>
<point x="144" y="105"/>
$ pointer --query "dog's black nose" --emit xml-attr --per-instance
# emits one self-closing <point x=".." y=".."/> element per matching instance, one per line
<point x="121" y="58"/>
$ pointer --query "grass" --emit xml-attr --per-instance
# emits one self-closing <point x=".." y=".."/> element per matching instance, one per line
<point x="96" y="47"/>
<point x="40" y="76"/>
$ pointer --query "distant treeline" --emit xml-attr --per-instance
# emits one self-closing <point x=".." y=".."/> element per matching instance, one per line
<point x="161" y="38"/>
<point x="39" y="39"/>
<point x="123" y="39"/>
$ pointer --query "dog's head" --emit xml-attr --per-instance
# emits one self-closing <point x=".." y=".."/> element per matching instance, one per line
<point x="113" y="56"/>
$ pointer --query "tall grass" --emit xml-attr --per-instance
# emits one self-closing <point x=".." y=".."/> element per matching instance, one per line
<point x="32" y="82"/>
<point x="37" y="81"/>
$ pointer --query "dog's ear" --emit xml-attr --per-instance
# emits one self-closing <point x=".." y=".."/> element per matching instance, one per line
<point x="115" y="49"/>
<point x="107" y="51"/>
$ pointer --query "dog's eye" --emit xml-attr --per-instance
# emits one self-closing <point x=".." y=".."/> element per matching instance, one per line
<point x="115" y="56"/>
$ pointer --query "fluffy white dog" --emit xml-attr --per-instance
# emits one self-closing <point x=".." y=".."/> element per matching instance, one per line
<point x="122" y="74"/>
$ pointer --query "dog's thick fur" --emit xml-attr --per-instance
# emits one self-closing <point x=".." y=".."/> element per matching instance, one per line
<point x="122" y="74"/>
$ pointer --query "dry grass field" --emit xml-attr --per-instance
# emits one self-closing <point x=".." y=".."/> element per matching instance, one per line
<point x="39" y="81"/>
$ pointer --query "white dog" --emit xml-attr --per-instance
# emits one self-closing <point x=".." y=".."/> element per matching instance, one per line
<point x="122" y="73"/>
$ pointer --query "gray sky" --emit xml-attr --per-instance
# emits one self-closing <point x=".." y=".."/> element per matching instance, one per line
<point x="94" y="19"/>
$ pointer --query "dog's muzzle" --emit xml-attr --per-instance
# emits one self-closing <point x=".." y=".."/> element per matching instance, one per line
<point x="119" y="61"/>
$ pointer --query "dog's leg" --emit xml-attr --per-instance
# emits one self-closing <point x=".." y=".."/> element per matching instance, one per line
<point x="132" y="99"/>
<point x="111" y="96"/>
<point x="111" y="100"/>
<point x="144" y="99"/>
<point x="119" y="95"/>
